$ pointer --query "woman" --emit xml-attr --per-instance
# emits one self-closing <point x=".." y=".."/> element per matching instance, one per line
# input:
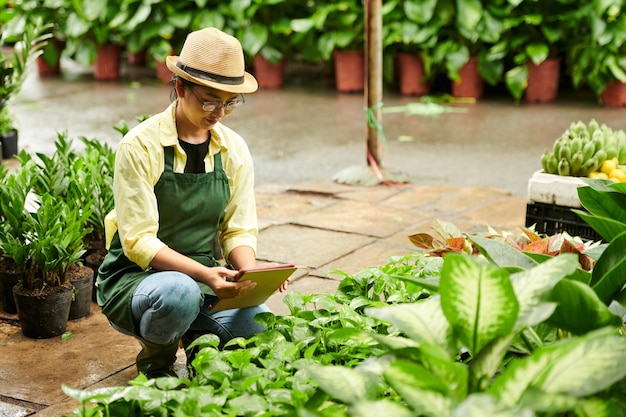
<point x="181" y="179"/>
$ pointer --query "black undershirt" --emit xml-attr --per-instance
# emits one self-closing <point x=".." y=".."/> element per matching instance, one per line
<point x="195" y="156"/>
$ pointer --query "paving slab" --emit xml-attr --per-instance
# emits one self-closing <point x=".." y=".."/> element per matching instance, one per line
<point x="418" y="196"/>
<point x="306" y="246"/>
<point x="360" y="218"/>
<point x="283" y="207"/>
<point x="94" y="352"/>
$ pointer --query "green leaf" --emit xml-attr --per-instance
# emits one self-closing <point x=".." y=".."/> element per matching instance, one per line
<point x="480" y="405"/>
<point x="469" y="13"/>
<point x="422" y="390"/>
<point x="606" y="227"/>
<point x="477" y="299"/>
<point x="579" y="309"/>
<point x="423" y="321"/>
<point x="345" y="384"/>
<point x="577" y="367"/>
<point x="502" y="254"/>
<point x="603" y="201"/>
<point x="537" y="52"/>
<point x="516" y="80"/>
<point x="533" y="286"/>
<point x="377" y="409"/>
<point x="609" y="273"/>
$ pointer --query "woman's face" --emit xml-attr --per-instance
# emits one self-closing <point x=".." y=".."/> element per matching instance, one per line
<point x="204" y="107"/>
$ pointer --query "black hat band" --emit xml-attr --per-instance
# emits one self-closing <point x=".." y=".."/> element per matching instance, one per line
<point x="210" y="76"/>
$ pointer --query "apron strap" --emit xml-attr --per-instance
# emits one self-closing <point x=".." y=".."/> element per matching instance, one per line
<point x="169" y="158"/>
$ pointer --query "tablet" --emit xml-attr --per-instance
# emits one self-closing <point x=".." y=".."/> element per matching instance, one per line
<point x="268" y="279"/>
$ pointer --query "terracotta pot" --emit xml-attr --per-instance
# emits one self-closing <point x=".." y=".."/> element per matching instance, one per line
<point x="543" y="81"/>
<point x="268" y="74"/>
<point x="471" y="83"/>
<point x="162" y="72"/>
<point x="52" y="52"/>
<point x="137" y="58"/>
<point x="410" y="73"/>
<point x="108" y="62"/>
<point x="614" y="94"/>
<point x="349" y="71"/>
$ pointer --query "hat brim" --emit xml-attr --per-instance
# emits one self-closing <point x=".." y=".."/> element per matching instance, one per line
<point x="249" y="85"/>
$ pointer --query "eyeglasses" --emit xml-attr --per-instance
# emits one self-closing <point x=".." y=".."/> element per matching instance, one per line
<point x="210" y="106"/>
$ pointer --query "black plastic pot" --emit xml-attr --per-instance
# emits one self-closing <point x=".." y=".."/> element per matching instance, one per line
<point x="83" y="288"/>
<point x="7" y="281"/>
<point x="43" y="316"/>
<point x="9" y="144"/>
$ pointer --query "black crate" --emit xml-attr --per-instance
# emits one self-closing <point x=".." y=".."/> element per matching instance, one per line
<point x="550" y="219"/>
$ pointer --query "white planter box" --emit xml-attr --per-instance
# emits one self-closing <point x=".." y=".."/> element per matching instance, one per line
<point x="554" y="189"/>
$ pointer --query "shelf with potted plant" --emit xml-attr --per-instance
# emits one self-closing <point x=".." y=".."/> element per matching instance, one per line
<point x="596" y="53"/>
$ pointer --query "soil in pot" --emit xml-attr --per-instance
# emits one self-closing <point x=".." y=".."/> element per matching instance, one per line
<point x="43" y="313"/>
<point x="81" y="278"/>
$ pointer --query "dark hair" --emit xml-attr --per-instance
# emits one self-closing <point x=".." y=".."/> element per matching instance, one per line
<point x="186" y="83"/>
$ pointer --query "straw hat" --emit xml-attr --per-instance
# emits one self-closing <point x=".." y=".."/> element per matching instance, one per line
<point x="214" y="59"/>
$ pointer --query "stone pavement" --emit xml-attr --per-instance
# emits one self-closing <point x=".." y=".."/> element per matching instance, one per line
<point x="323" y="226"/>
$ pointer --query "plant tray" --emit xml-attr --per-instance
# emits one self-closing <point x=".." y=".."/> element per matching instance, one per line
<point x="551" y="219"/>
<point x="554" y="189"/>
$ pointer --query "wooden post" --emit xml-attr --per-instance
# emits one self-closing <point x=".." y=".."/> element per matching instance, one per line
<point x="373" y="73"/>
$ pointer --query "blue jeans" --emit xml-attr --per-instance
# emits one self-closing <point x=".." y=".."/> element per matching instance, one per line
<point x="167" y="304"/>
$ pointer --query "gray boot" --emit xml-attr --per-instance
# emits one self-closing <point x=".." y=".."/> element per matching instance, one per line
<point x="156" y="360"/>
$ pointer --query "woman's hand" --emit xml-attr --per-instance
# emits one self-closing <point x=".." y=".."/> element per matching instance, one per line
<point x="284" y="285"/>
<point x="222" y="281"/>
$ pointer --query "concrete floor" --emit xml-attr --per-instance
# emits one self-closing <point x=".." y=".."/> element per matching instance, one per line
<point x="470" y="168"/>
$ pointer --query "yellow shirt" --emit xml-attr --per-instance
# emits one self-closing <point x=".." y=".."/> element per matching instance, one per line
<point x="139" y="163"/>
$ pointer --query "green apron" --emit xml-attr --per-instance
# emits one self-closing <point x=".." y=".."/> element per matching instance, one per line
<point x="191" y="207"/>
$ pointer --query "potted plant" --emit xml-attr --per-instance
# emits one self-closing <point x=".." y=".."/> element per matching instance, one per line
<point x="163" y="32"/>
<point x="266" y="31"/>
<point x="53" y="12"/>
<point x="464" y="51"/>
<point x="97" y="31"/>
<point x="596" y="52"/>
<point x="86" y="180"/>
<point x="339" y="30"/>
<point x="13" y="71"/>
<point x="534" y="42"/>
<point x="45" y="240"/>
<point x="410" y="34"/>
